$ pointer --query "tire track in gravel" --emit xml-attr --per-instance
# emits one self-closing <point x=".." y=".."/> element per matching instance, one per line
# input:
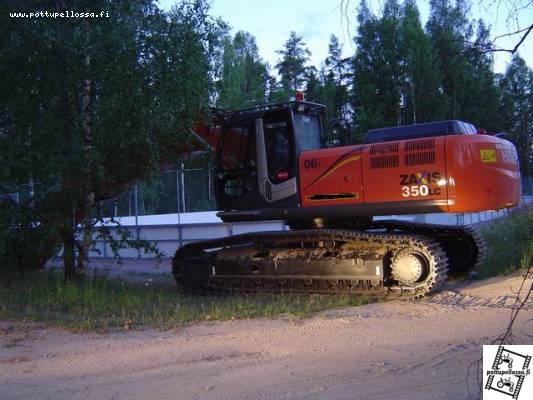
<point x="451" y="298"/>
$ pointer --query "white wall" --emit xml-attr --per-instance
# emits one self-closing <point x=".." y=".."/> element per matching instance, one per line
<point x="170" y="231"/>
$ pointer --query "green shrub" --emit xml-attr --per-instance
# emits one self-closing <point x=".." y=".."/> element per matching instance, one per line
<point x="509" y="243"/>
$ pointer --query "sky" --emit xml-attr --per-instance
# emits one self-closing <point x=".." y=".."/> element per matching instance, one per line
<point x="271" y="22"/>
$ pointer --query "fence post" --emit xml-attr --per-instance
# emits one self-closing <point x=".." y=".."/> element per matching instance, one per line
<point x="182" y="180"/>
<point x="178" y="204"/>
<point x="178" y="191"/>
<point x="209" y="187"/>
<point x="136" y="206"/>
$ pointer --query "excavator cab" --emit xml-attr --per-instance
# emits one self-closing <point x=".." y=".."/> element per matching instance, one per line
<point x="257" y="156"/>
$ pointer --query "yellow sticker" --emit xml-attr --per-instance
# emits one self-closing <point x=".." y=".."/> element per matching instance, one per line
<point x="488" y="156"/>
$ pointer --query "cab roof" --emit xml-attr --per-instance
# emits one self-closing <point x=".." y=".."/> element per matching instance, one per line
<point x="261" y="109"/>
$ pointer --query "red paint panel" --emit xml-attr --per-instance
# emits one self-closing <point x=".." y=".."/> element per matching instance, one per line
<point x="331" y="176"/>
<point x="475" y="184"/>
<point x="471" y="172"/>
<point x="405" y="170"/>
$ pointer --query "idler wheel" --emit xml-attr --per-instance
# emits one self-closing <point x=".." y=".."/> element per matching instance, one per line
<point x="409" y="267"/>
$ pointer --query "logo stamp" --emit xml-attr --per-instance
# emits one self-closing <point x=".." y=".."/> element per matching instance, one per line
<point x="506" y="372"/>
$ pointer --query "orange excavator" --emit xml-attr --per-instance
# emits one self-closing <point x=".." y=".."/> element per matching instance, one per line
<point x="272" y="164"/>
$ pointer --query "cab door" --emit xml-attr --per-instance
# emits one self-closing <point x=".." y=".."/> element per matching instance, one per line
<point x="276" y="165"/>
<point x="236" y="181"/>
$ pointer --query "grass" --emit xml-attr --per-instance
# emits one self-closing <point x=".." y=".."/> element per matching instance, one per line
<point x="99" y="304"/>
<point x="509" y="244"/>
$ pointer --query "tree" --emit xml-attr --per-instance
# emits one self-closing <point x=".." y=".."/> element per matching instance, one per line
<point x="244" y="74"/>
<point x="313" y="86"/>
<point x="335" y="94"/>
<point x="421" y="99"/>
<point x="450" y="30"/>
<point x="480" y="101"/>
<point x="517" y="110"/>
<point x="390" y="62"/>
<point x="292" y="65"/>
<point x="511" y="10"/>
<point x="377" y="68"/>
<point x="365" y="81"/>
<point x="86" y="107"/>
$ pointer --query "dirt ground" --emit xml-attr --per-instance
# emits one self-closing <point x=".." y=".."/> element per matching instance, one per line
<point x="402" y="350"/>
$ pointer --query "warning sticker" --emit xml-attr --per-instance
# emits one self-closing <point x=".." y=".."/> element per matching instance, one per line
<point x="488" y="155"/>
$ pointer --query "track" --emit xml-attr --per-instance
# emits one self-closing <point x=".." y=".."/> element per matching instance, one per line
<point x="391" y="258"/>
<point x="464" y="246"/>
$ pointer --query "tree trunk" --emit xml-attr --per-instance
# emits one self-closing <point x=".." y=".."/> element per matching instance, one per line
<point x="85" y="246"/>
<point x="69" y="243"/>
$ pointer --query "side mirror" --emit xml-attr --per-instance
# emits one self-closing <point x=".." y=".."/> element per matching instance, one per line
<point x="481" y="131"/>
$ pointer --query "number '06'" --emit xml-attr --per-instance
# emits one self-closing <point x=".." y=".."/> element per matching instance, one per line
<point x="311" y="163"/>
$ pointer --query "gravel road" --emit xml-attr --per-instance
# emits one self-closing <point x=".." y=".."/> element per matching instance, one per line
<point x="400" y="349"/>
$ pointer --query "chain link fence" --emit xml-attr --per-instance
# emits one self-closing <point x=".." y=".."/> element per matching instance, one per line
<point x="175" y="191"/>
<point x="182" y="190"/>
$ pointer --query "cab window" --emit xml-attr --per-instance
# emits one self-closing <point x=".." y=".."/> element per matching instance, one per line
<point x="278" y="145"/>
<point x="238" y="160"/>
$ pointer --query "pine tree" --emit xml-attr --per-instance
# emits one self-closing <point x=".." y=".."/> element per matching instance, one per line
<point x="480" y="99"/>
<point x="336" y="93"/>
<point x="313" y="86"/>
<point x="450" y="30"/>
<point x="292" y="65"/>
<point x="377" y="68"/>
<point x="389" y="64"/>
<point x="365" y="82"/>
<point x="517" y="109"/>
<point x="421" y="99"/>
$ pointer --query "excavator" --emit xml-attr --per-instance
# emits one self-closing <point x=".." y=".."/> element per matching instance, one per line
<point x="272" y="164"/>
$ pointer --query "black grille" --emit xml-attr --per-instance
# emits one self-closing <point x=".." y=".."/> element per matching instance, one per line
<point x="420" y="158"/>
<point x="384" y="148"/>
<point x="384" y="161"/>
<point x="422" y="144"/>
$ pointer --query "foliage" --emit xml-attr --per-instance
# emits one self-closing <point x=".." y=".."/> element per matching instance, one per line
<point x="421" y="98"/>
<point x="509" y="243"/>
<point x="516" y="110"/>
<point x="291" y="67"/>
<point x="244" y="74"/>
<point x="403" y="74"/>
<point x="86" y="107"/>
<point x="332" y="88"/>
<point x="99" y="304"/>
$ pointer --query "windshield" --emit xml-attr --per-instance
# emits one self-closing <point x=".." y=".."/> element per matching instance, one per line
<point x="307" y="132"/>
